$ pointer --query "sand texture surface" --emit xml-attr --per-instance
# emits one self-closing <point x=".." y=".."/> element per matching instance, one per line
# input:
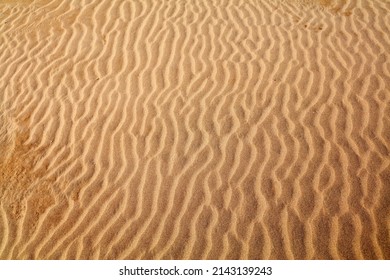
<point x="142" y="129"/>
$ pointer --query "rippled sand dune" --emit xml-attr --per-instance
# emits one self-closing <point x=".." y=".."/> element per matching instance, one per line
<point x="142" y="129"/>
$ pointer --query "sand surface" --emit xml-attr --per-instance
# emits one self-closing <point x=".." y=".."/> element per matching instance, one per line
<point x="142" y="129"/>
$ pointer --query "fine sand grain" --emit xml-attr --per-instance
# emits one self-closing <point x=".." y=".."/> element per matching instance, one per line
<point x="146" y="129"/>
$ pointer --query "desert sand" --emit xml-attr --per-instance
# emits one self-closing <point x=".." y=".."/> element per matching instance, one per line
<point x="142" y="129"/>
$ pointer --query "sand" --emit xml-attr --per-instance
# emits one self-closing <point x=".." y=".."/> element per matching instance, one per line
<point x="200" y="129"/>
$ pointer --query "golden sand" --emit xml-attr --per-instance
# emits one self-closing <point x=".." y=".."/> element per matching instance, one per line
<point x="141" y="129"/>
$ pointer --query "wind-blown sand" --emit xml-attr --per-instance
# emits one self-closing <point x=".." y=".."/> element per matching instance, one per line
<point x="195" y="129"/>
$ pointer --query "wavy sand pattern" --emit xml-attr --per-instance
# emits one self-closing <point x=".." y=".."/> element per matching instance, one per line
<point x="140" y="129"/>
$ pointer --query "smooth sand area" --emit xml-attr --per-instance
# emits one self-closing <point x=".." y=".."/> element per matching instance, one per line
<point x="156" y="129"/>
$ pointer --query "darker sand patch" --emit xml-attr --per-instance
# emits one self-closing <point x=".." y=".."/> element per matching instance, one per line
<point x="20" y="183"/>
